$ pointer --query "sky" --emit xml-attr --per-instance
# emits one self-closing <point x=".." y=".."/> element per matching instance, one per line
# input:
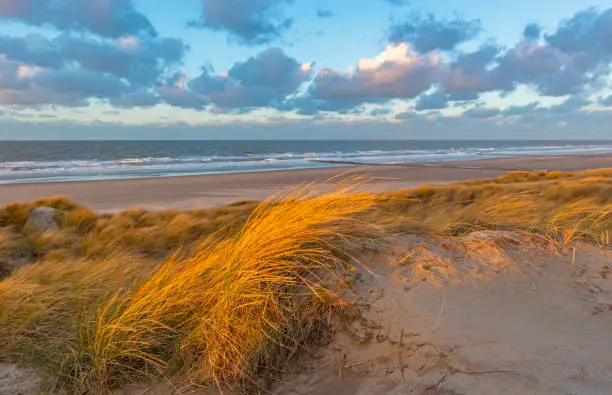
<point x="305" y="69"/>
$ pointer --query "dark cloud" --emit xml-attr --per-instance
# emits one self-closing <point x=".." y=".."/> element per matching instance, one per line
<point x="106" y="18"/>
<point x="308" y="105"/>
<point x="463" y="96"/>
<point x="606" y="101"/>
<point x="123" y="64"/>
<point x="322" y="13"/>
<point x="261" y="81"/>
<point x="250" y="22"/>
<point x="12" y="76"/>
<point x="427" y="34"/>
<point x="33" y="49"/>
<point x="133" y="63"/>
<point x="520" y="110"/>
<point x="139" y="61"/>
<point x="588" y="31"/>
<point x="482" y="112"/>
<point x="470" y="72"/>
<point x="380" y="112"/>
<point x="540" y="66"/>
<point x="136" y="98"/>
<point x="532" y="31"/>
<point x="571" y="104"/>
<point x="434" y="101"/>
<point x="574" y="59"/>
<point x="66" y="87"/>
<point x="409" y="115"/>
<point x="271" y="68"/>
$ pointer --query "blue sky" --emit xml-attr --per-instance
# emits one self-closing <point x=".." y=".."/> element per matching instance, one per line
<point x="99" y="69"/>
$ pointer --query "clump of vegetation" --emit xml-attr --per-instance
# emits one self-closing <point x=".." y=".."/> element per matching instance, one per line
<point x="242" y="302"/>
<point x="221" y="295"/>
<point x="562" y="205"/>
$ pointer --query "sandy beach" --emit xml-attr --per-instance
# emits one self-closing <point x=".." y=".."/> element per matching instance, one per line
<point x="204" y="191"/>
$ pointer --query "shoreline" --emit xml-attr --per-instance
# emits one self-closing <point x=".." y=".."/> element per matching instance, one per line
<point x="210" y="190"/>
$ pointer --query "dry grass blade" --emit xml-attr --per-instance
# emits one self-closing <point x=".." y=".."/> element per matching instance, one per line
<point x="237" y="301"/>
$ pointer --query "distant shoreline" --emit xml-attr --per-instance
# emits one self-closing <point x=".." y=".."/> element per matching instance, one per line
<point x="54" y="161"/>
<point x="204" y="191"/>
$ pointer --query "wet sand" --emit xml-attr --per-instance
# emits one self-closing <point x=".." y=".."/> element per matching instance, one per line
<point x="190" y="192"/>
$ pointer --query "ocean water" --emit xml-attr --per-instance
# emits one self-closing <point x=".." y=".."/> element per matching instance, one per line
<point x="44" y="161"/>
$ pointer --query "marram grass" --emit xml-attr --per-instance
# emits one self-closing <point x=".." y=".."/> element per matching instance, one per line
<point x="224" y="295"/>
<point x="240" y="303"/>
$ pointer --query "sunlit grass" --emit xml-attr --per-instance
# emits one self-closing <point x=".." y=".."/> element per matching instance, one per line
<point x="223" y="295"/>
<point x="240" y="303"/>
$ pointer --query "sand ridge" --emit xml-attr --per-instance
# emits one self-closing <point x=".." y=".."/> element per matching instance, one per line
<point x="536" y="324"/>
<point x="511" y="314"/>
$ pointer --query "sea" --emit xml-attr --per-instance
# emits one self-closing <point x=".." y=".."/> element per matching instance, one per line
<point x="47" y="161"/>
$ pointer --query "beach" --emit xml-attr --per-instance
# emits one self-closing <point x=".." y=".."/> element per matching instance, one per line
<point x="205" y="191"/>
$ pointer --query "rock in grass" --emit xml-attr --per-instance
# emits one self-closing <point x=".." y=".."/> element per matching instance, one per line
<point x="43" y="219"/>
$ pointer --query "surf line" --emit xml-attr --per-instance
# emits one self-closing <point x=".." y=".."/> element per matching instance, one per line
<point x="433" y="165"/>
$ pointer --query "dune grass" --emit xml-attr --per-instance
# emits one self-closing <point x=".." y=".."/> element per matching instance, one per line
<point x="228" y="295"/>
<point x="241" y="303"/>
<point x="566" y="206"/>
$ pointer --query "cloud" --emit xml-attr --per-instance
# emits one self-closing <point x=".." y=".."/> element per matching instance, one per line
<point x="66" y="87"/>
<point x="435" y="101"/>
<point x="133" y="67"/>
<point x="587" y="31"/>
<point x="122" y="61"/>
<point x="261" y="81"/>
<point x="535" y="64"/>
<point x="42" y="67"/>
<point x="322" y="13"/>
<point x="532" y="31"/>
<point x="380" y="112"/>
<point x="409" y="115"/>
<point x="482" y="112"/>
<point x="606" y="101"/>
<point x="249" y="22"/>
<point x="106" y="18"/>
<point x="572" y="60"/>
<point x="137" y="60"/>
<point x="33" y="49"/>
<point x="571" y="104"/>
<point x="426" y="34"/>
<point x="397" y="72"/>
<point x="520" y="110"/>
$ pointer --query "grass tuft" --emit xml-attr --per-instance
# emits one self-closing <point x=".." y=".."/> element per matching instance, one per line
<point x="242" y="303"/>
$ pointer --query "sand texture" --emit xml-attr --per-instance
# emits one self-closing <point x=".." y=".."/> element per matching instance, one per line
<point x="521" y="322"/>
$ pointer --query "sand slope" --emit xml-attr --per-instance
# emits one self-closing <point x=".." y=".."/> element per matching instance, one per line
<point x="482" y="314"/>
<point x="527" y="324"/>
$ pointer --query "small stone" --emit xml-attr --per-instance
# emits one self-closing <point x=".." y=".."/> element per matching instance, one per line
<point x="43" y="219"/>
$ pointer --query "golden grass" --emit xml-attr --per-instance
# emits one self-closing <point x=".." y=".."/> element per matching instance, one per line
<point x="241" y="303"/>
<point x="559" y="205"/>
<point x="223" y="295"/>
<point x="5" y="253"/>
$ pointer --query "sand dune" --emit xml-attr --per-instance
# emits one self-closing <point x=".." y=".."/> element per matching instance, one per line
<point x="530" y="323"/>
<point x="447" y="311"/>
<point x="508" y="315"/>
